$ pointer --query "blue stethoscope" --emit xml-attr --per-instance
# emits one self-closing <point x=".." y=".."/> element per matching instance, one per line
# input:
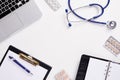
<point x="109" y="24"/>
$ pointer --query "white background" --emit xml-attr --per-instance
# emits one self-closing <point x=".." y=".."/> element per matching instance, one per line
<point x="50" y="40"/>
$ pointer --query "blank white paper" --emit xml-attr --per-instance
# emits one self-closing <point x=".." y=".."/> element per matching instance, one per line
<point x="11" y="71"/>
<point x="96" y="69"/>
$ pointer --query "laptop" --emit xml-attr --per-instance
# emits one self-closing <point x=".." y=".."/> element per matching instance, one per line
<point x="16" y="15"/>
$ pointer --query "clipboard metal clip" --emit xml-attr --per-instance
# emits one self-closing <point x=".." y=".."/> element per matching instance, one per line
<point x="29" y="59"/>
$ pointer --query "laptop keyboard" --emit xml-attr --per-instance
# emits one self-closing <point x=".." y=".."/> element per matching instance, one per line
<point x="8" y="6"/>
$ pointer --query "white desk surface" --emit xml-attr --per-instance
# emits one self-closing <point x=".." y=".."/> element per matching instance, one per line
<point x="50" y="40"/>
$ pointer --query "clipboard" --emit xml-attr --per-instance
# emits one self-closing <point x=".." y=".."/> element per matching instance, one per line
<point x="12" y="71"/>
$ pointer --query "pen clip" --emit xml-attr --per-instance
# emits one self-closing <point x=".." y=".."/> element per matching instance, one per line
<point x="29" y="59"/>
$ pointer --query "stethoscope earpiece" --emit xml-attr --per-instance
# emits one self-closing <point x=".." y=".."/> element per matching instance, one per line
<point x="111" y="24"/>
<point x="69" y="24"/>
<point x="66" y="10"/>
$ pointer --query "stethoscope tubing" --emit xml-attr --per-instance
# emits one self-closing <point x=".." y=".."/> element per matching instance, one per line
<point x="90" y="20"/>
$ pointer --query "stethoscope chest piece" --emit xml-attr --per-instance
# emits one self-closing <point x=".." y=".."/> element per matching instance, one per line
<point x="111" y="24"/>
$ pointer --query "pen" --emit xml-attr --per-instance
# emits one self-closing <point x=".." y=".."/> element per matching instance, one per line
<point x="19" y="64"/>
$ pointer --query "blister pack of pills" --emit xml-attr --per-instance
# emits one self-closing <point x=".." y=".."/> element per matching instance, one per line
<point x="113" y="45"/>
<point x="62" y="76"/>
<point x="53" y="4"/>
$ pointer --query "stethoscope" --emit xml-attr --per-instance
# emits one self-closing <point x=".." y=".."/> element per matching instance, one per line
<point x="109" y="24"/>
